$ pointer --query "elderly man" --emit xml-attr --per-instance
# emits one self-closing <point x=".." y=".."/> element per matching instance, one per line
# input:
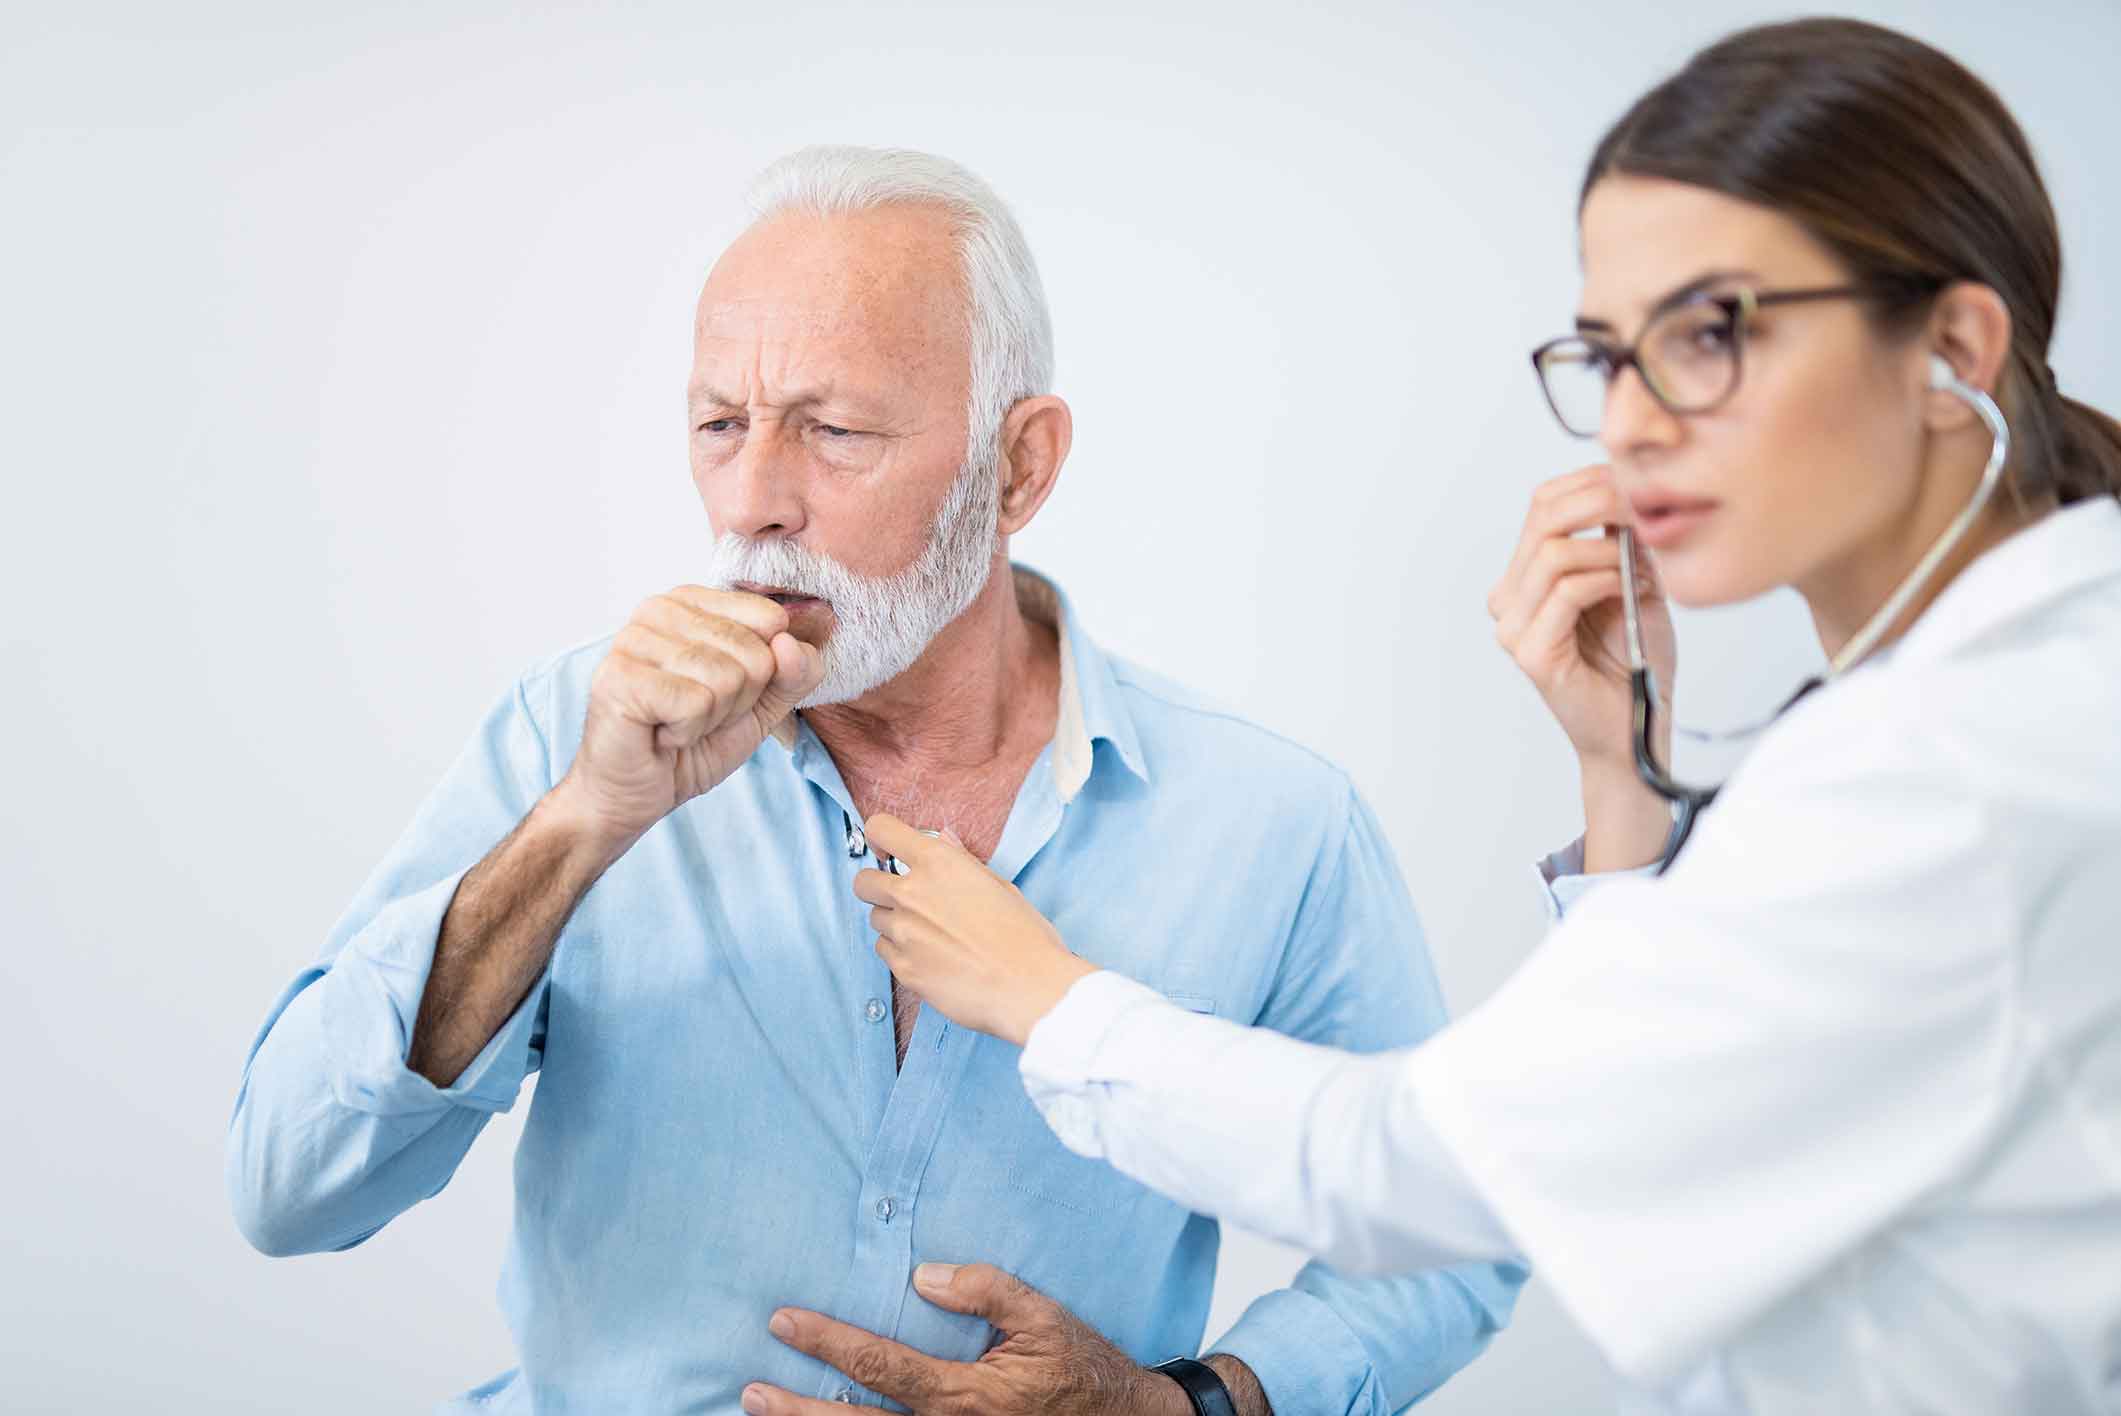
<point x="756" y="1172"/>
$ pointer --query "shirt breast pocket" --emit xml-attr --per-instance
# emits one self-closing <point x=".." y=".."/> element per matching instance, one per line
<point x="1048" y="1170"/>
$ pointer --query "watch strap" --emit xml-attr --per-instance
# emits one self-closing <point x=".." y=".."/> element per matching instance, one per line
<point x="1203" y="1388"/>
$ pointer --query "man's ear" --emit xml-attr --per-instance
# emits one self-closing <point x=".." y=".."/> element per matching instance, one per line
<point x="1035" y="438"/>
<point x="1970" y="329"/>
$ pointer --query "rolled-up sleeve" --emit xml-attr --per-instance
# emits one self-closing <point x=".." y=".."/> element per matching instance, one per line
<point x="333" y="1135"/>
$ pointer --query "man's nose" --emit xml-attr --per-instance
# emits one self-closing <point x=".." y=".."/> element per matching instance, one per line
<point x="758" y="492"/>
<point x="1634" y="419"/>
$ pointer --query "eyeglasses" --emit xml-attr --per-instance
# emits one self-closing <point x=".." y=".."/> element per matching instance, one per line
<point x="1690" y="354"/>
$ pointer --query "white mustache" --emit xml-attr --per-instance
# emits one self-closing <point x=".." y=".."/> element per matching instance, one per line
<point x="781" y="564"/>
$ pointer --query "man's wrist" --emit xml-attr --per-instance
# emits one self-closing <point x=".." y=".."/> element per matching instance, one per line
<point x="1161" y="1396"/>
<point x="1168" y="1397"/>
<point x="1246" y="1394"/>
<point x="585" y="840"/>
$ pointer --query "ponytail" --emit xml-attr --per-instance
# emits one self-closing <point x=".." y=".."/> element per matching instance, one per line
<point x="2091" y="453"/>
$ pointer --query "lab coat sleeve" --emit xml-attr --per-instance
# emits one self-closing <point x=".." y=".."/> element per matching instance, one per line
<point x="1310" y="1145"/>
<point x="1704" y="1090"/>
<point x="332" y="1134"/>
<point x="1356" y="974"/>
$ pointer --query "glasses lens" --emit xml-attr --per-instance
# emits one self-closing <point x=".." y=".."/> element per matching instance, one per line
<point x="1575" y="378"/>
<point x="1690" y="354"/>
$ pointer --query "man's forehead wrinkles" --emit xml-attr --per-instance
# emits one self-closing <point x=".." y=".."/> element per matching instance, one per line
<point x="761" y="315"/>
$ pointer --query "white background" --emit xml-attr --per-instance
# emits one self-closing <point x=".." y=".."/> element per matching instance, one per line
<point x="343" y="356"/>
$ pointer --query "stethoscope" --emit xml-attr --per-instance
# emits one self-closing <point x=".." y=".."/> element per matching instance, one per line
<point x="1689" y="802"/>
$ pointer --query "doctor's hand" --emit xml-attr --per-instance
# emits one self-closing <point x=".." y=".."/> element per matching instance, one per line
<point x="1558" y="614"/>
<point x="962" y="937"/>
<point x="1044" y="1360"/>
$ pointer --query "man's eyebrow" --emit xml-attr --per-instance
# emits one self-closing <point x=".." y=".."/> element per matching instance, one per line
<point x="1589" y="324"/>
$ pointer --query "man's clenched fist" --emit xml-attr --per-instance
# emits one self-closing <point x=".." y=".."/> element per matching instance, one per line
<point x="692" y="686"/>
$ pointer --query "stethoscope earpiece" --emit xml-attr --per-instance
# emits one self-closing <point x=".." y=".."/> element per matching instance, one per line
<point x="1942" y="374"/>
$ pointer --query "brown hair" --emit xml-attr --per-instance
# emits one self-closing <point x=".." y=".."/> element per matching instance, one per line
<point x="1911" y="171"/>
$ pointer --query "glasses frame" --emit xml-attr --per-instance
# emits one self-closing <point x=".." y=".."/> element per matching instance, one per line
<point x="1739" y="307"/>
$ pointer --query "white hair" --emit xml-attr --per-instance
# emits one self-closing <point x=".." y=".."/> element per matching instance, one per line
<point x="1010" y="328"/>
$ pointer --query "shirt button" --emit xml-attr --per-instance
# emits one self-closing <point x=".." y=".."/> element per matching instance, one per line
<point x="885" y="1208"/>
<point x="874" y="1010"/>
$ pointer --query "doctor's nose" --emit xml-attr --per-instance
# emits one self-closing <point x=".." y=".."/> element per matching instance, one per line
<point x="1634" y="419"/>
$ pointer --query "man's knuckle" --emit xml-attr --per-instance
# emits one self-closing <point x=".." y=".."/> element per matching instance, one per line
<point x="871" y="1366"/>
<point x="701" y="661"/>
<point x="690" y="699"/>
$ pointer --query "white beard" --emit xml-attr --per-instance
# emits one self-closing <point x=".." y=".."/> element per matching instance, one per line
<point x="881" y="626"/>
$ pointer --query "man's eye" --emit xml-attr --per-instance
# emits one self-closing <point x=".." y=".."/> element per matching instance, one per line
<point x="831" y="431"/>
<point x="718" y="425"/>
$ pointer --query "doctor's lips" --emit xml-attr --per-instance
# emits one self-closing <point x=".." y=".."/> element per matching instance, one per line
<point x="1665" y="518"/>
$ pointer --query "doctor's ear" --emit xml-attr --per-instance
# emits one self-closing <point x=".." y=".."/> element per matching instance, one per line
<point x="1969" y="333"/>
<point x="1035" y="438"/>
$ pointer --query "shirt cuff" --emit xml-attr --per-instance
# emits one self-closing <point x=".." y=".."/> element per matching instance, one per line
<point x="1060" y="1057"/>
<point x="1306" y="1357"/>
<point x="371" y="1000"/>
<point x="1563" y="883"/>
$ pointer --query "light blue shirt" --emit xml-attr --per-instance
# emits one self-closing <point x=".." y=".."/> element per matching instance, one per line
<point x="719" y="1126"/>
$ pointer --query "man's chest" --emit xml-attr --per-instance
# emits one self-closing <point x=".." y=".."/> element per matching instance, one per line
<point x="976" y="807"/>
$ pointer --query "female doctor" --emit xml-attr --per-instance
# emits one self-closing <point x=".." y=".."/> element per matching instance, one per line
<point x="1825" y="1116"/>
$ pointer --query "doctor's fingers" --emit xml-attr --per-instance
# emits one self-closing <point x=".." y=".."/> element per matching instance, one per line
<point x="1562" y="509"/>
<point x="878" y="887"/>
<point x="1549" y="644"/>
<point x="1518" y="602"/>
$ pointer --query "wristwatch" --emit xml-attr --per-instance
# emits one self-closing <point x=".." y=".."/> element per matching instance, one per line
<point x="1203" y="1388"/>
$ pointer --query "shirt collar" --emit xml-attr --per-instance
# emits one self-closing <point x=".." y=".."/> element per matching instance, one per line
<point x="1091" y="707"/>
<point x="2066" y="550"/>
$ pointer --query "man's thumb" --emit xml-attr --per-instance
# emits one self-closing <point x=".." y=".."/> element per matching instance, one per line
<point x="798" y="668"/>
<point x="1004" y="1300"/>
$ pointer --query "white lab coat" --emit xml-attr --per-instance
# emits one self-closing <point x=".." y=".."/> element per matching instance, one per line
<point x="1828" y="1119"/>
